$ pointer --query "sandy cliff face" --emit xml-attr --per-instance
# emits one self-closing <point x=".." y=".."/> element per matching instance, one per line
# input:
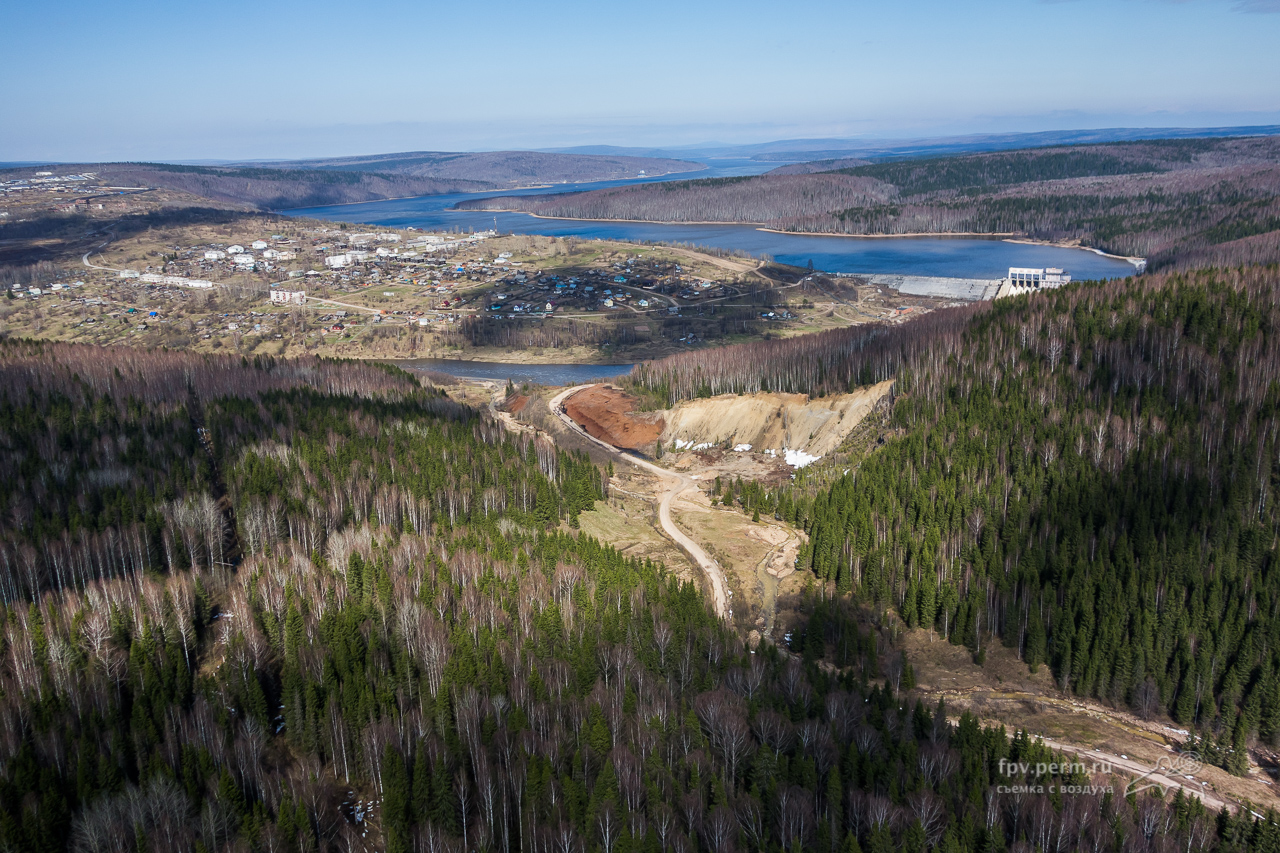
<point x="770" y="421"/>
<point x="777" y="422"/>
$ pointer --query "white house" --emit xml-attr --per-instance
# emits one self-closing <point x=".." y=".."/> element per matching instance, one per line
<point x="288" y="297"/>
<point x="259" y="244"/>
<point x="234" y="250"/>
<point x="214" y="255"/>
<point x="336" y="261"/>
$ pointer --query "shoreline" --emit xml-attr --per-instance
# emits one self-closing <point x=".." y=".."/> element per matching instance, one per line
<point x="588" y="219"/>
<point x="1001" y="235"/>
<point x="285" y="210"/>
<point x="492" y="358"/>
<point x="760" y="226"/>
<point x="1136" y="261"/>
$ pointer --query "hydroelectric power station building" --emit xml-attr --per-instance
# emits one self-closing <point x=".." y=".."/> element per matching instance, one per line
<point x="1029" y="280"/>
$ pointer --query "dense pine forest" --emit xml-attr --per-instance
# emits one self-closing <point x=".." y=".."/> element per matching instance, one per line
<point x="1181" y="203"/>
<point x="309" y="606"/>
<point x="829" y="362"/>
<point x="1089" y="475"/>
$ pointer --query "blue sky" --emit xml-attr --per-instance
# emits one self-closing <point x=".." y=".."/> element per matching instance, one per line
<point x="142" y="79"/>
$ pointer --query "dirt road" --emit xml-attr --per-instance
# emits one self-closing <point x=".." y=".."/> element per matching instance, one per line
<point x="676" y="483"/>
<point x="363" y="308"/>
<point x="1164" y="774"/>
<point x="1175" y="770"/>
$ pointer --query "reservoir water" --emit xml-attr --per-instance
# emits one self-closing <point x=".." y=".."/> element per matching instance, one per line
<point x="541" y="374"/>
<point x="949" y="257"/>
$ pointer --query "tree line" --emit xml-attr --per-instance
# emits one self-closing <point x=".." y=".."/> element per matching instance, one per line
<point x="385" y="635"/>
<point x="1088" y="476"/>
<point x="830" y="362"/>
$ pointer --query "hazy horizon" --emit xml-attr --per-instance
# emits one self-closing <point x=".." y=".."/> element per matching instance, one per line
<point x="694" y="149"/>
<point x="135" y="81"/>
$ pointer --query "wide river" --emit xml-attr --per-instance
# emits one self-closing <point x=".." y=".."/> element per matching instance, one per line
<point x="950" y="257"/>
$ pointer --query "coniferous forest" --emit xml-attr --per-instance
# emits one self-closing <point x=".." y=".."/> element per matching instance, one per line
<point x="1089" y="476"/>
<point x="268" y="605"/>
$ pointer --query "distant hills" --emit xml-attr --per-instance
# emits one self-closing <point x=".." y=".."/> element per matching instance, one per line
<point x="798" y="150"/>
<point x="284" y="184"/>
<point x="344" y="180"/>
<point x="502" y="168"/>
<point x="1174" y="201"/>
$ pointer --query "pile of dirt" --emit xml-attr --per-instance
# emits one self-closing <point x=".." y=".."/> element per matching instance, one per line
<point x="515" y="403"/>
<point x="610" y="415"/>
<point x="771" y="421"/>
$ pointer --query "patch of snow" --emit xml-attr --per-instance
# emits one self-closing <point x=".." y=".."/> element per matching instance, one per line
<point x="798" y="458"/>
<point x="741" y="448"/>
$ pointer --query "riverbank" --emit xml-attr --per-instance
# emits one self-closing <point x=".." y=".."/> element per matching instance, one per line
<point x="1012" y="237"/>
<point x="499" y="191"/>
<point x="965" y="235"/>
<point x="1140" y="263"/>
<point x="976" y="256"/>
<point x="759" y="225"/>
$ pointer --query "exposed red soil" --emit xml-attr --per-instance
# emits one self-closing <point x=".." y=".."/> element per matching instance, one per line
<point x="515" y="403"/>
<point x="609" y="414"/>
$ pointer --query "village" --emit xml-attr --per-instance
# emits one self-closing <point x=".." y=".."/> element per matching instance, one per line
<point x="263" y="284"/>
<point x="173" y="274"/>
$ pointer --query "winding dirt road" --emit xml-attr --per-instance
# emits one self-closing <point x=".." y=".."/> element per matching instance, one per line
<point x="676" y="484"/>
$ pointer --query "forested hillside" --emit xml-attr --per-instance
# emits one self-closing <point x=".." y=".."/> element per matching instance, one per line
<point x="311" y="606"/>
<point x="1180" y="203"/>
<point x="744" y="199"/>
<point x="1090" y="475"/>
<point x="312" y="183"/>
<point x="830" y="362"/>
<point x="503" y="168"/>
<point x="266" y="188"/>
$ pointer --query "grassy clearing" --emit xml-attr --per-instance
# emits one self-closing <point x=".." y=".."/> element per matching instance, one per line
<point x="628" y="523"/>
